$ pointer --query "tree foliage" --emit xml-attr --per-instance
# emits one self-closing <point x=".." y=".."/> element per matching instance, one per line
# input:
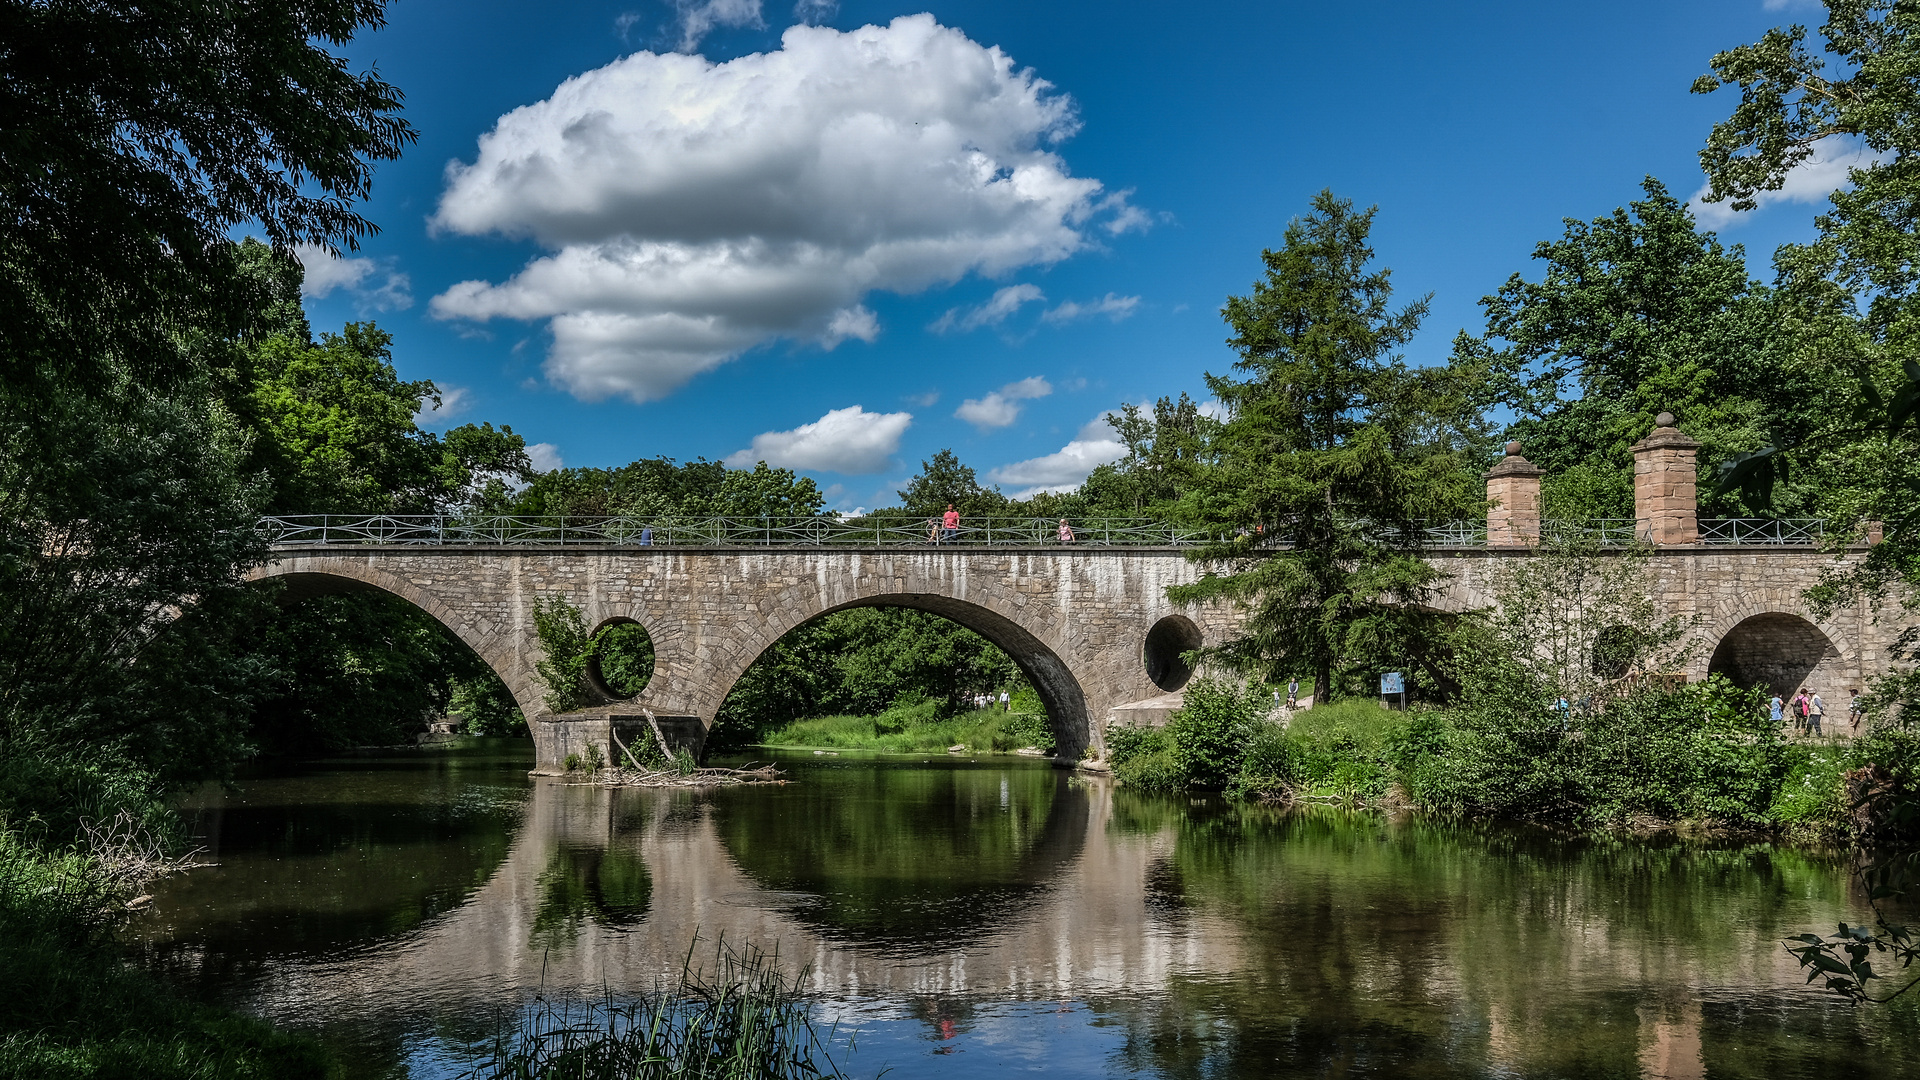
<point x="1636" y="313"/>
<point x="136" y="138"/>
<point x="1332" y="459"/>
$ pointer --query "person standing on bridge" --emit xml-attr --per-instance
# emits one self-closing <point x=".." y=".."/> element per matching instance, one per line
<point x="950" y="524"/>
<point x="1066" y="532"/>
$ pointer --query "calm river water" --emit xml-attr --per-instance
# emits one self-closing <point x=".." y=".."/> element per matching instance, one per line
<point x="973" y="918"/>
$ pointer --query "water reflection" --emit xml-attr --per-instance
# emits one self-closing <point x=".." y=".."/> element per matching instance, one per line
<point x="955" y="910"/>
<point x="906" y="856"/>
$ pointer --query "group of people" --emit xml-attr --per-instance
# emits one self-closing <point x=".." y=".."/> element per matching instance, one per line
<point x="1809" y="710"/>
<point x="988" y="701"/>
<point x="946" y="528"/>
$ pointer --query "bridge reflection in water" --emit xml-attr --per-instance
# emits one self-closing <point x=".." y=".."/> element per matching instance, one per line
<point x="1205" y="938"/>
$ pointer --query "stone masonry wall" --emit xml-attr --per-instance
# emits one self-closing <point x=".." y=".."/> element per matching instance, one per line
<point x="1076" y="619"/>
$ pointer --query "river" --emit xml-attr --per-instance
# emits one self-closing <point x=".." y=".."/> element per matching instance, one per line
<point x="969" y="918"/>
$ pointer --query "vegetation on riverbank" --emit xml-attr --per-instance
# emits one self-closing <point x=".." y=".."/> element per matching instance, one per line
<point x="77" y="842"/>
<point x="919" y="728"/>
<point x="1706" y="754"/>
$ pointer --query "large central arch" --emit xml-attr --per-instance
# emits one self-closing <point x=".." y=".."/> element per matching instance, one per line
<point x="1059" y="690"/>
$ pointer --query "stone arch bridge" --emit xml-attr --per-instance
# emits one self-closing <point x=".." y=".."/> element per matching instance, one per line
<point x="1091" y="626"/>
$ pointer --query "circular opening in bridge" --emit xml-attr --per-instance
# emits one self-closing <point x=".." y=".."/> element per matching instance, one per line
<point x="1614" y="649"/>
<point x="1780" y="653"/>
<point x="620" y="659"/>
<point x="1169" y="638"/>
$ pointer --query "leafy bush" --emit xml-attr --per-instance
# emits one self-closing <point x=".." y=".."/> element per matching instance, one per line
<point x="562" y="631"/>
<point x="1813" y="793"/>
<point x="1030" y="729"/>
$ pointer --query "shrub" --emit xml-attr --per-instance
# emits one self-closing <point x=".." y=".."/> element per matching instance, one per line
<point x="1030" y="729"/>
<point x="1813" y="793"/>
<point x="1209" y="734"/>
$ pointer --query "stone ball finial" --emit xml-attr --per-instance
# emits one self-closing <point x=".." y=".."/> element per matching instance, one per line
<point x="1665" y="419"/>
<point x="1513" y="449"/>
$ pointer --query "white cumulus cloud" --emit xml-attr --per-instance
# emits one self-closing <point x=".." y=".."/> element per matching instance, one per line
<point x="1811" y="181"/>
<point x="545" y="457"/>
<point x="1002" y="407"/>
<point x="1113" y="307"/>
<point x="374" y="284"/>
<point x="1065" y="469"/>
<point x="995" y="311"/>
<point x="698" y="18"/>
<point x="691" y="210"/>
<point x="849" y="440"/>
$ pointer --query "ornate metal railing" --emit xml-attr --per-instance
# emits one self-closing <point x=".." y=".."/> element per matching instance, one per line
<point x="1796" y="531"/>
<point x="440" y="529"/>
<point x="894" y="530"/>
<point x="1606" y="532"/>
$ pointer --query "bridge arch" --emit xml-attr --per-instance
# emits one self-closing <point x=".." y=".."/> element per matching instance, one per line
<point x="337" y="576"/>
<point x="1769" y="640"/>
<point x="1052" y="678"/>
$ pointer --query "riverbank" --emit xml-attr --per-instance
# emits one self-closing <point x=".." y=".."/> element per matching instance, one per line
<point x="919" y="729"/>
<point x="1706" y="755"/>
<point x="71" y="1006"/>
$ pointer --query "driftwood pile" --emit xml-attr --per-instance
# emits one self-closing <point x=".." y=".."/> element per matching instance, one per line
<point x="674" y="778"/>
<point x="679" y="773"/>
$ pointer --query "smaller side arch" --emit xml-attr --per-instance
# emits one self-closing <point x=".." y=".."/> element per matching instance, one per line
<point x="1779" y="652"/>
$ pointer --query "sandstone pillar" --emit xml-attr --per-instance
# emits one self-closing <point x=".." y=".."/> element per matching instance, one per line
<point x="1665" y="499"/>
<point x="1513" y="495"/>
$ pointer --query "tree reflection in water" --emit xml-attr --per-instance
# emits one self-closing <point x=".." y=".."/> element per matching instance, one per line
<point x="904" y="855"/>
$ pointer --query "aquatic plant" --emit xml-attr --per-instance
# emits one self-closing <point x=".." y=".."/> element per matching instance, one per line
<point x="743" y="1019"/>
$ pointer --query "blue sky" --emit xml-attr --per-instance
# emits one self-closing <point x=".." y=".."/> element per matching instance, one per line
<point x="858" y="247"/>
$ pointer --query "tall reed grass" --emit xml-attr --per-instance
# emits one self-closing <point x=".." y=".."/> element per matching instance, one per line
<point x="741" y="1020"/>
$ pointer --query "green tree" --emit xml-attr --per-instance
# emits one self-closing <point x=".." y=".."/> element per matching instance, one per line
<point x="1853" y="295"/>
<point x="659" y="488"/>
<point x="136" y="138"/>
<point x="1638" y="312"/>
<point x="1333" y="458"/>
<point x="944" y="481"/>
<point x="1159" y="449"/>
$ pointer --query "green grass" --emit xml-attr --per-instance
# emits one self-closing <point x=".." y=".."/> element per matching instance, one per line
<point x="916" y="729"/>
<point x="1360" y="719"/>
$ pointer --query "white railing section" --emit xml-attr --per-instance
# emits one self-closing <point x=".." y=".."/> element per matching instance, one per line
<point x="1606" y="532"/>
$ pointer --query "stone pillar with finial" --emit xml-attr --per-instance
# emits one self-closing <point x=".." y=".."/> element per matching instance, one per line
<point x="1513" y="498"/>
<point x="1666" y="502"/>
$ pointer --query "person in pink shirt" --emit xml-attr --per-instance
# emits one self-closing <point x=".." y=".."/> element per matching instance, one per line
<point x="950" y="523"/>
<point x="1066" y="532"/>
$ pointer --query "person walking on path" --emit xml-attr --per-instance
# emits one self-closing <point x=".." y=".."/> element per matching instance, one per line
<point x="1066" y="532"/>
<point x="1777" y="709"/>
<point x="950" y="524"/>
<point x="1855" y="713"/>
<point x="1816" y="712"/>
<point x="1800" y="710"/>
<point x="1293" y="691"/>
